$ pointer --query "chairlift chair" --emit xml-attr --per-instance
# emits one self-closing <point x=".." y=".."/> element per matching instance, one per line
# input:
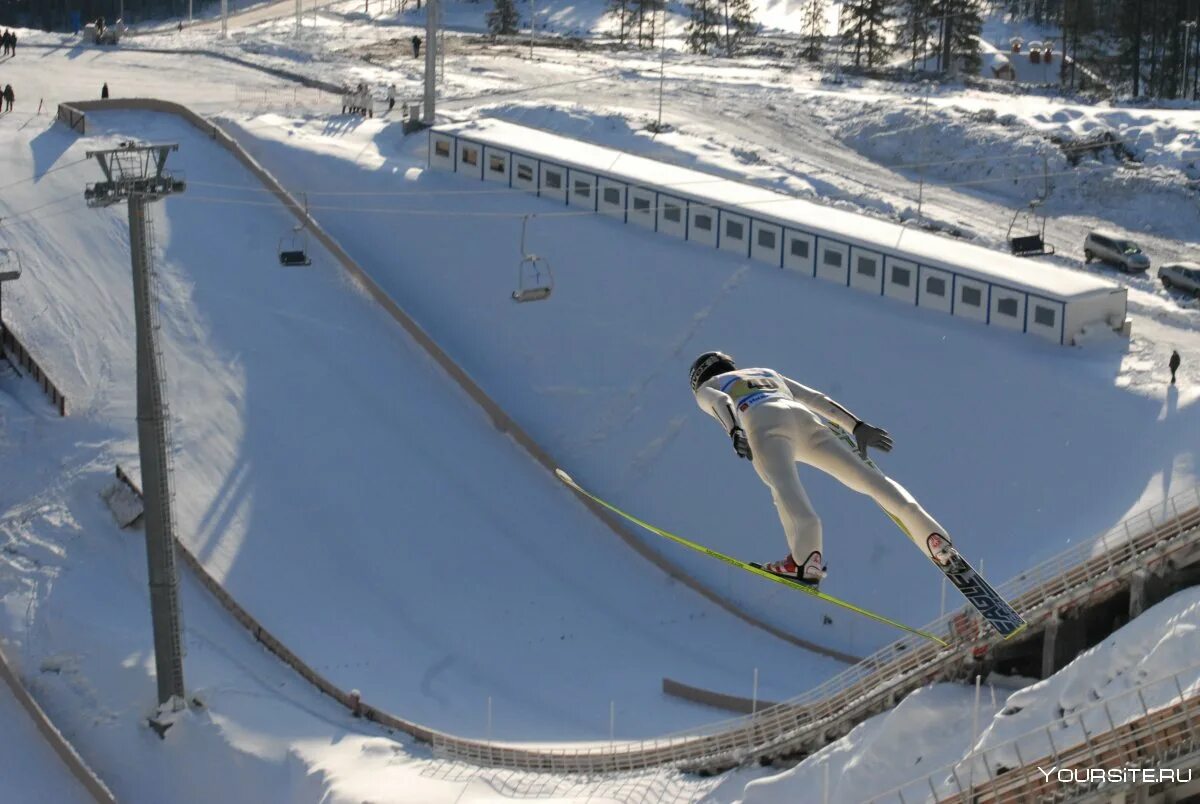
<point x="535" y="280"/>
<point x="1031" y="244"/>
<point x="293" y="248"/>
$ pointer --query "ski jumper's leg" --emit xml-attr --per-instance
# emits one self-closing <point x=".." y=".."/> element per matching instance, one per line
<point x="829" y="453"/>
<point x="775" y="462"/>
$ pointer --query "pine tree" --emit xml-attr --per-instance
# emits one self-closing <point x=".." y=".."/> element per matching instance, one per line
<point x="645" y="11"/>
<point x="812" y="27"/>
<point x="503" y="19"/>
<point x="621" y="9"/>
<point x="961" y="26"/>
<point x="702" y="27"/>
<point x="864" y="23"/>
<point x="738" y="24"/>
<point x="915" y="31"/>
<point x="968" y="29"/>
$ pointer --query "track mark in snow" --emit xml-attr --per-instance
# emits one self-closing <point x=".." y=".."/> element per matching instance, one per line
<point x="619" y="416"/>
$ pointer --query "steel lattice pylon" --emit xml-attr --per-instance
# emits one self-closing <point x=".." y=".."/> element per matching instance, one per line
<point x="135" y="174"/>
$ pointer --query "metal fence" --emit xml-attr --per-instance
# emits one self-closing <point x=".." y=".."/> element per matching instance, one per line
<point x="1088" y="570"/>
<point x="9" y="342"/>
<point x="1144" y="728"/>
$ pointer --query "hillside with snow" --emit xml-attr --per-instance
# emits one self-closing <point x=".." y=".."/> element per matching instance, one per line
<point x="347" y="493"/>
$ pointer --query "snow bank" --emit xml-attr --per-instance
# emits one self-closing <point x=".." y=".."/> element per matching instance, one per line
<point x="1149" y="650"/>
<point x="927" y="730"/>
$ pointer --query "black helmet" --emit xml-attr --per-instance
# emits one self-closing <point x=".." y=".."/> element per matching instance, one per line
<point x="709" y="364"/>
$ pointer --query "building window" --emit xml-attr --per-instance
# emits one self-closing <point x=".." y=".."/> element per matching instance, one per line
<point x="496" y="164"/>
<point x="832" y="258"/>
<point x="553" y="179"/>
<point x="1043" y="316"/>
<point x="641" y="204"/>
<point x="470" y="156"/>
<point x="441" y="148"/>
<point x="612" y="196"/>
<point x="704" y="222"/>
<point x="1007" y="307"/>
<point x="524" y="172"/>
<point x="866" y="266"/>
<point x="901" y="276"/>
<point x="734" y="230"/>
<point x="766" y="238"/>
<point x="972" y="296"/>
<point x="583" y="188"/>
<point x="935" y="286"/>
<point x="799" y="248"/>
<point x="672" y="213"/>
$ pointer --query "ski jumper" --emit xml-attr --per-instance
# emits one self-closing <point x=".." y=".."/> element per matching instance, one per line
<point x="783" y="421"/>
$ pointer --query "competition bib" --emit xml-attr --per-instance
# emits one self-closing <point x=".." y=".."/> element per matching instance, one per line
<point x="748" y="391"/>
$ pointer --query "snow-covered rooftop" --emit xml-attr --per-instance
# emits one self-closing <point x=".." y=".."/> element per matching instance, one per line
<point x="929" y="249"/>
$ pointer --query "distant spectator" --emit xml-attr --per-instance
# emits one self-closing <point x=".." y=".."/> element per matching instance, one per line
<point x="391" y="96"/>
<point x="1174" y="364"/>
<point x="416" y="43"/>
<point x="9" y="97"/>
<point x="181" y="26"/>
<point x="104" y="91"/>
<point x="8" y="43"/>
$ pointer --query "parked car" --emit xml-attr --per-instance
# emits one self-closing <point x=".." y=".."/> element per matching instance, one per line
<point x="1182" y="275"/>
<point x="1115" y="250"/>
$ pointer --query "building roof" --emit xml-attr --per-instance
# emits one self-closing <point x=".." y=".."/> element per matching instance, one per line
<point x="929" y="249"/>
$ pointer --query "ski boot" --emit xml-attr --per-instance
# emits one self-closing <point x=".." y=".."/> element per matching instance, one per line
<point x="941" y="550"/>
<point x="809" y="574"/>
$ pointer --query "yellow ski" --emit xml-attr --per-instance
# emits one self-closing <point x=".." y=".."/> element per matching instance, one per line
<point x="808" y="590"/>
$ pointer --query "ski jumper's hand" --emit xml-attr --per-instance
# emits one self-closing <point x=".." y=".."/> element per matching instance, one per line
<point x="741" y="445"/>
<point x="866" y="435"/>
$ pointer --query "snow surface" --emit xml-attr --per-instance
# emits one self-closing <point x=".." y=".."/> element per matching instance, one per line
<point x="622" y="423"/>
<point x="1020" y="449"/>
<point x="27" y="762"/>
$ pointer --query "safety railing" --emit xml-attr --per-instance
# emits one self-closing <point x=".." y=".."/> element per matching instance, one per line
<point x="1091" y="569"/>
<point x="1110" y="742"/>
<point x="10" y="343"/>
<point x="72" y="118"/>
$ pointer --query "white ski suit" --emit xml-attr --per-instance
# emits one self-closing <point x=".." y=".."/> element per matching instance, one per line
<point x="780" y="417"/>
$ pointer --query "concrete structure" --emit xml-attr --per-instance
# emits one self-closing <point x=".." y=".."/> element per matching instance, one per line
<point x="873" y="256"/>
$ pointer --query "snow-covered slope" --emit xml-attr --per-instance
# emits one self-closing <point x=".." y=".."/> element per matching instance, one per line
<point x="28" y="763"/>
<point x="995" y="434"/>
<point x="345" y="491"/>
<point x="304" y="483"/>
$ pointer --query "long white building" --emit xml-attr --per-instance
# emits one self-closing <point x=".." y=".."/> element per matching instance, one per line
<point x="873" y="256"/>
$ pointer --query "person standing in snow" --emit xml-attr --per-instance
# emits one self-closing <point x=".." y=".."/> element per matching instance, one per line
<point x="9" y="97"/>
<point x="104" y="91"/>
<point x="1174" y="364"/>
<point x="416" y="43"/>
<point x="775" y="422"/>
<point x="391" y="96"/>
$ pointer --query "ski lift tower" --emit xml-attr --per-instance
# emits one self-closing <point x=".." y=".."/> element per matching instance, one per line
<point x="135" y="174"/>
